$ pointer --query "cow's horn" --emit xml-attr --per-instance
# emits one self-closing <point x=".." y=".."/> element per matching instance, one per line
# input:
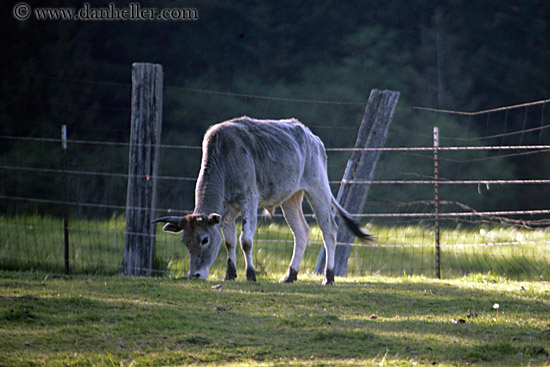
<point x="171" y="219"/>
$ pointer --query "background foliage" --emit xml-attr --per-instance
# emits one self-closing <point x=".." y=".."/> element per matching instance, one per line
<point x="452" y="54"/>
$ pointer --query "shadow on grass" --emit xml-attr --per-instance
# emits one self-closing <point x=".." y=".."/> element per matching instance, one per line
<point x="163" y="321"/>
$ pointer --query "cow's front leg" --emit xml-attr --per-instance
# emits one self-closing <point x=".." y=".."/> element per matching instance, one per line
<point x="249" y="219"/>
<point x="230" y="236"/>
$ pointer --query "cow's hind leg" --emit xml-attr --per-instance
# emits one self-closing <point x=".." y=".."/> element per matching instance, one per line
<point x="292" y="211"/>
<point x="249" y="220"/>
<point x="320" y="201"/>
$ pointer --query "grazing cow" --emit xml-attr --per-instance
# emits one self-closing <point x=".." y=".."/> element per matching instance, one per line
<point x="247" y="163"/>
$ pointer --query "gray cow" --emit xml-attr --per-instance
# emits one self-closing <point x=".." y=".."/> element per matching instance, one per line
<point x="247" y="163"/>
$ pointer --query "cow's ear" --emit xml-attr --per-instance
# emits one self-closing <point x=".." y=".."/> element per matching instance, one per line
<point x="172" y="227"/>
<point x="214" y="219"/>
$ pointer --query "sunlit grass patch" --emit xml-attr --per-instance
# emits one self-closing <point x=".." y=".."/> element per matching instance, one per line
<point x="370" y="321"/>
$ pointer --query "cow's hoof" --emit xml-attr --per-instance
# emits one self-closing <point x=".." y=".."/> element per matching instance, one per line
<point x="291" y="276"/>
<point x="329" y="277"/>
<point x="251" y="274"/>
<point x="231" y="273"/>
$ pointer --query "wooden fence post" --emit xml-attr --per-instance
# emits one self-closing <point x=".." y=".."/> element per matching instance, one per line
<point x="361" y="165"/>
<point x="146" y="119"/>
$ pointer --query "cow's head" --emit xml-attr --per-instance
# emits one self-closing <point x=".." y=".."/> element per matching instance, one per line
<point x="201" y="235"/>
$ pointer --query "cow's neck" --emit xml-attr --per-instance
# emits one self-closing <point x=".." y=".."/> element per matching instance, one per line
<point x="210" y="190"/>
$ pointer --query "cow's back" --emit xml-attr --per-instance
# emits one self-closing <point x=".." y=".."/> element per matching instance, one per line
<point x="263" y="157"/>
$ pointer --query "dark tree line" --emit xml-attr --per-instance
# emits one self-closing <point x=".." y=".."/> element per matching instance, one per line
<point x="457" y="54"/>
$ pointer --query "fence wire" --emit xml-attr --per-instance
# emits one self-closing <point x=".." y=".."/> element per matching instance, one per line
<point x="486" y="226"/>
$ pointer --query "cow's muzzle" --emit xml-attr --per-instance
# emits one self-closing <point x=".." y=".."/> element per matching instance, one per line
<point x="198" y="274"/>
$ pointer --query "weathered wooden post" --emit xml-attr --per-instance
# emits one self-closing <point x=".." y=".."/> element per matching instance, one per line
<point x="146" y="119"/>
<point x="361" y="165"/>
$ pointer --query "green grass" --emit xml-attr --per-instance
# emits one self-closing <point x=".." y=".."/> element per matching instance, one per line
<point x="96" y="247"/>
<point x="83" y="320"/>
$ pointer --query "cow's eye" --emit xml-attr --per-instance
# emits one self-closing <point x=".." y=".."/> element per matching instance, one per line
<point x="204" y="241"/>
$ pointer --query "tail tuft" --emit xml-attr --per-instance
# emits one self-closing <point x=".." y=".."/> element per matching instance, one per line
<point x="354" y="228"/>
<point x="351" y="224"/>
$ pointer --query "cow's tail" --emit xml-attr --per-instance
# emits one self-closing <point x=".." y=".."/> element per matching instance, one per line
<point x="351" y="224"/>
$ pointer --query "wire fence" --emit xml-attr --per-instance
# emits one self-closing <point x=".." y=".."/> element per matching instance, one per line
<point x="494" y="202"/>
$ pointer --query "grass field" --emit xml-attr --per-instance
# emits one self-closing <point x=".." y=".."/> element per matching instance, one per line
<point x="96" y="247"/>
<point x="48" y="320"/>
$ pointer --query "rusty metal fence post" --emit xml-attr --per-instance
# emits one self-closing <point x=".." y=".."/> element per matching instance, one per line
<point x="436" y="204"/>
<point x="65" y="205"/>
